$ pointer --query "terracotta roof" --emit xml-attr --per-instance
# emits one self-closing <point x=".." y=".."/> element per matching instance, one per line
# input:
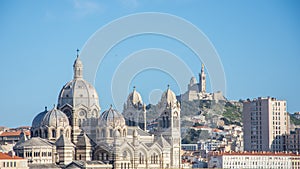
<point x="261" y="153"/>
<point x="14" y="133"/>
<point x="5" y="156"/>
<point x="217" y="130"/>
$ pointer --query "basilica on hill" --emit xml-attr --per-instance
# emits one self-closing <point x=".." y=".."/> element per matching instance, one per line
<point x="76" y="134"/>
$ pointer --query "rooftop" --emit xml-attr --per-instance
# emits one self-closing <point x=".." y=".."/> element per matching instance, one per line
<point x="5" y="156"/>
<point x="13" y="133"/>
<point x="253" y="153"/>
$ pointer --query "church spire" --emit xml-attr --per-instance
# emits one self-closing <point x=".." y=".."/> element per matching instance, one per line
<point x="77" y="67"/>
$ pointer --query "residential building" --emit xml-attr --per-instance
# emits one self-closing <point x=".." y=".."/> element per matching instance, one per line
<point x="12" y="161"/>
<point x="265" y="122"/>
<point x="253" y="160"/>
<point x="189" y="147"/>
<point x="11" y="136"/>
<point x="293" y="141"/>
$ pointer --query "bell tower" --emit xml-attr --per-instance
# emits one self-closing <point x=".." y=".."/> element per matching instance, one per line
<point x="169" y="124"/>
<point x="202" y="80"/>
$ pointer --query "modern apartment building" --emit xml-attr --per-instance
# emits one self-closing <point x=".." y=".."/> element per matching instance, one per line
<point x="266" y="123"/>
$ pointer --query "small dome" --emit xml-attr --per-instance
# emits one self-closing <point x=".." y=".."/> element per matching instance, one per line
<point x="111" y="118"/>
<point x="134" y="98"/>
<point x="168" y="96"/>
<point x="38" y="119"/>
<point x="55" y="118"/>
<point x="193" y="81"/>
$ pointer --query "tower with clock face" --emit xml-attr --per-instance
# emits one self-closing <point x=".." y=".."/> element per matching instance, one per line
<point x="79" y="100"/>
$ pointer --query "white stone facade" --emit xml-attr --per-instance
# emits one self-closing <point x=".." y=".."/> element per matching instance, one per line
<point x="75" y="131"/>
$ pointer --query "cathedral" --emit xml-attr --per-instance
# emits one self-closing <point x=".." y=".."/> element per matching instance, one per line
<point x="75" y="134"/>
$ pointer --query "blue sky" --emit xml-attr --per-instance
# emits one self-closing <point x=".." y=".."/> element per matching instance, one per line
<point x="257" y="41"/>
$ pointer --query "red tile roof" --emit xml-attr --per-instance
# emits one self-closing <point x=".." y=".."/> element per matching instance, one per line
<point x="5" y="156"/>
<point x="13" y="133"/>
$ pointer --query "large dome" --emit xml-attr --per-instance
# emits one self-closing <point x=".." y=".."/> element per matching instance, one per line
<point x="111" y="118"/>
<point x="78" y="91"/>
<point x="55" y="118"/>
<point x="36" y="122"/>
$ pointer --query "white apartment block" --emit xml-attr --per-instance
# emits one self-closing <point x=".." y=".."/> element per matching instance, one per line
<point x="266" y="160"/>
<point x="266" y="122"/>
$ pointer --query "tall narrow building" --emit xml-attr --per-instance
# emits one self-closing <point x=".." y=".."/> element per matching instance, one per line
<point x="266" y="121"/>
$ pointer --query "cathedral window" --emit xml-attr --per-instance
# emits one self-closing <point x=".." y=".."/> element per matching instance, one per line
<point x="167" y="122"/>
<point x="103" y="133"/>
<point x="124" y="155"/>
<point x="53" y="133"/>
<point x="67" y="134"/>
<point x="46" y="133"/>
<point x="110" y="133"/>
<point x="79" y="122"/>
<point x="100" y="156"/>
<point x="140" y="158"/>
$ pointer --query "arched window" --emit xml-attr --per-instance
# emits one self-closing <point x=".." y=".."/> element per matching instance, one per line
<point x="69" y="115"/>
<point x="120" y="132"/>
<point x="100" y="156"/>
<point x="140" y="159"/>
<point x="67" y="133"/>
<point x="53" y="133"/>
<point x="124" y="132"/>
<point x="110" y="133"/>
<point x="124" y="155"/>
<point x="46" y="133"/>
<point x="167" y="119"/>
<point x="164" y="122"/>
<point x="133" y="121"/>
<point x="79" y="122"/>
<point x="103" y="133"/>
<point x="61" y="131"/>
